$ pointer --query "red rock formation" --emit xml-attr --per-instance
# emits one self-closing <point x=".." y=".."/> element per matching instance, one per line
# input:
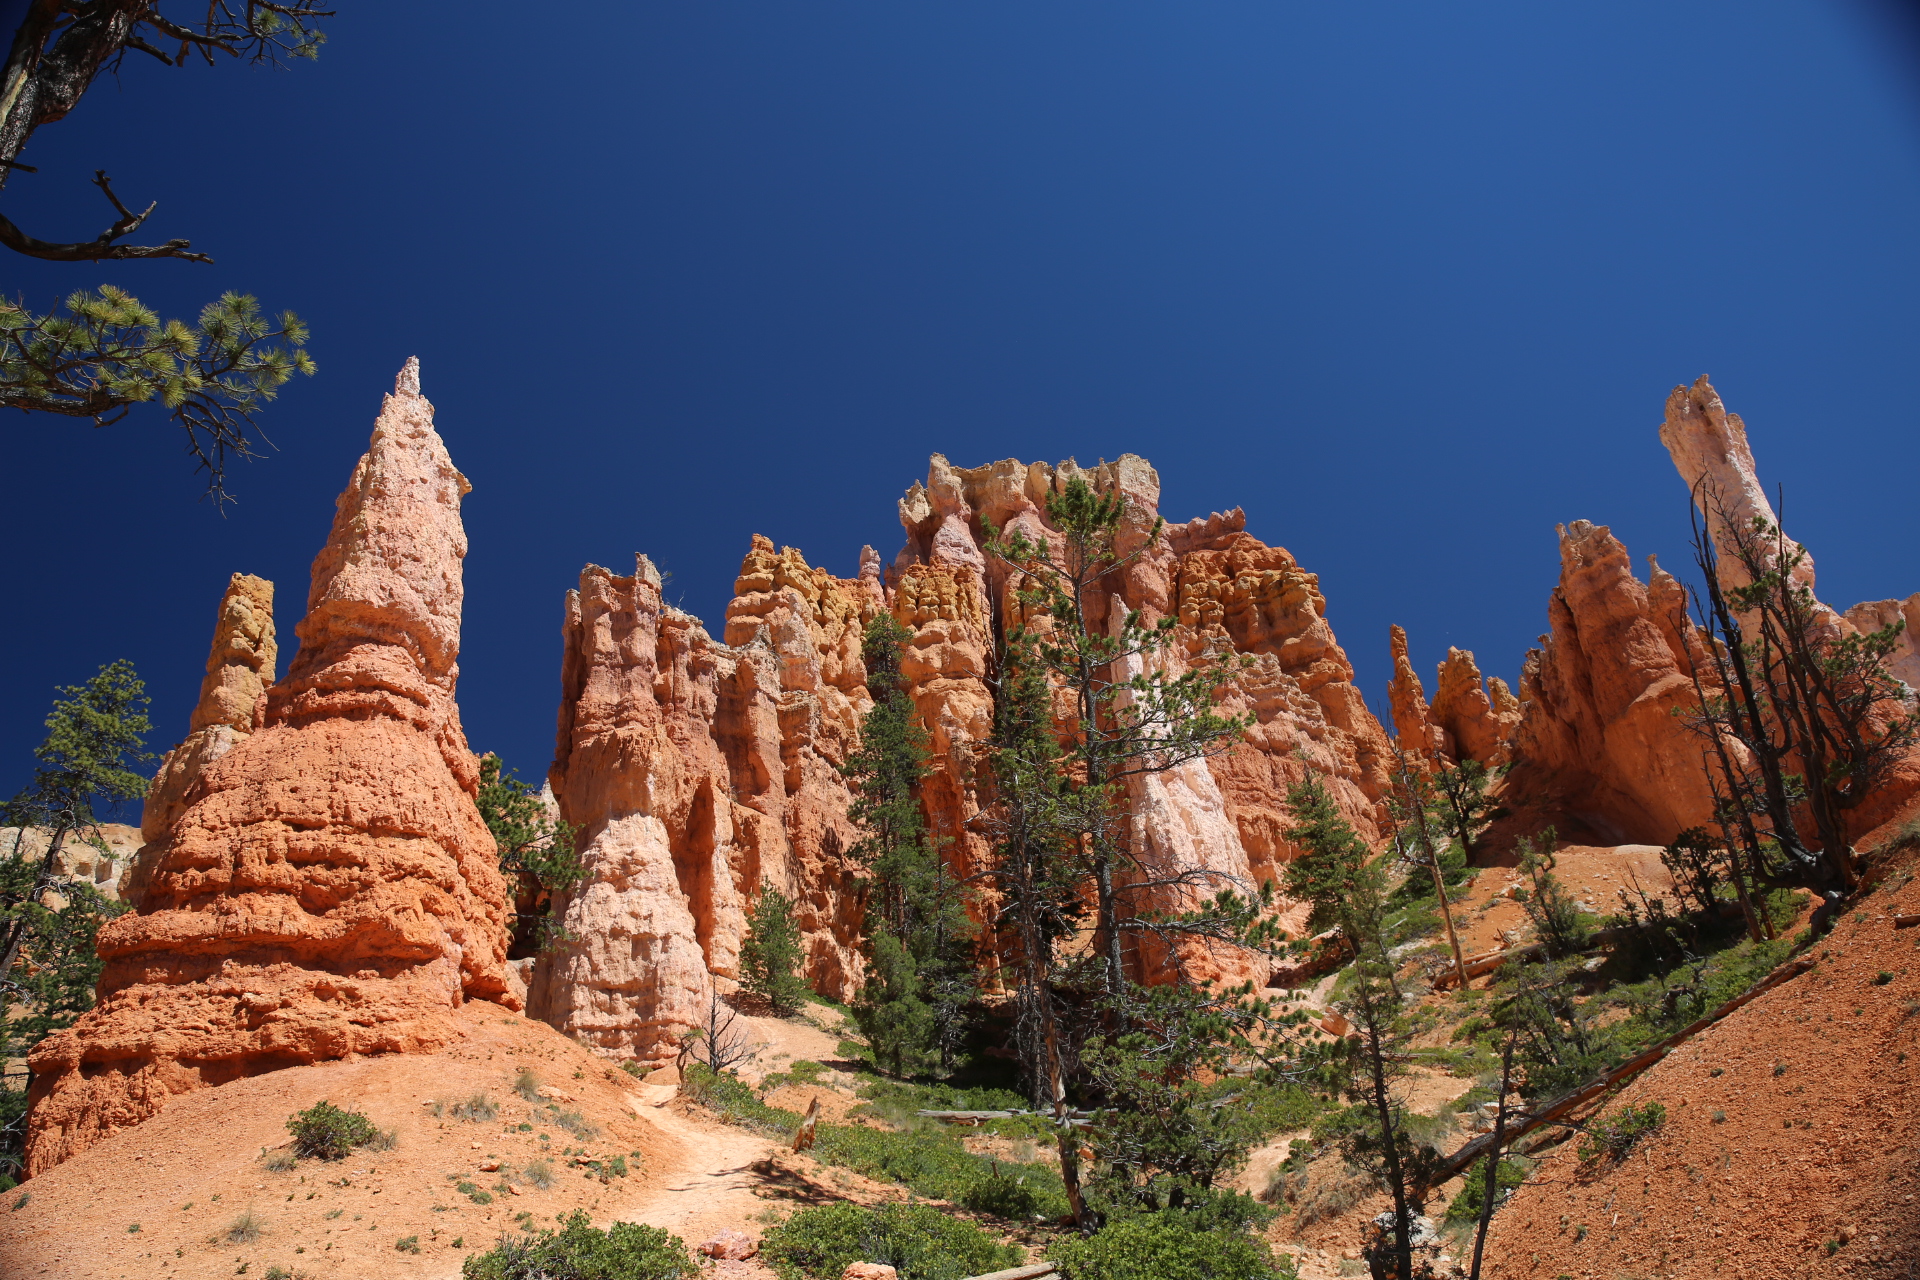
<point x="1478" y="716"/>
<point x="1598" y="747"/>
<point x="1413" y="721"/>
<point x="699" y="769"/>
<point x="232" y="699"/>
<point x="1710" y="450"/>
<point x="329" y="888"/>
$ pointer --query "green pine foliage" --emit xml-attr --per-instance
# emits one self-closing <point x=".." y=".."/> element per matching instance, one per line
<point x="1166" y="1247"/>
<point x="581" y="1251"/>
<point x="105" y="352"/>
<point x="1550" y="905"/>
<point x="919" y="940"/>
<point x="920" y="1241"/>
<point x="536" y="851"/>
<point x="770" y="955"/>
<point x="48" y="927"/>
<point x="1334" y="875"/>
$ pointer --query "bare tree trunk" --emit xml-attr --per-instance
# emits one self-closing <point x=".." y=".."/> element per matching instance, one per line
<point x="1491" y="1187"/>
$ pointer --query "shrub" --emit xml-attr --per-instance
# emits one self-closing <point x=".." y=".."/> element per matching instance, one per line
<point x="245" y="1229"/>
<point x="1614" y="1137"/>
<point x="540" y="1174"/>
<point x="478" y="1109"/>
<point x="1161" y="1247"/>
<point x="1465" y="1207"/>
<point x="407" y="1244"/>
<point x="327" y="1132"/>
<point x="573" y="1122"/>
<point x="527" y="1085"/>
<point x="580" y="1251"/>
<point x="920" y="1241"/>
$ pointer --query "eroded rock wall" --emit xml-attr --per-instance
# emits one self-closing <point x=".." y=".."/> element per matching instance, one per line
<point x="329" y="888"/>
<point x="700" y="767"/>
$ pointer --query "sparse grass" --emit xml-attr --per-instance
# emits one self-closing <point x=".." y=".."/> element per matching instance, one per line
<point x="1779" y="1068"/>
<point x="277" y="1272"/>
<point x="527" y="1085"/>
<point x="246" y="1228"/>
<point x="281" y="1160"/>
<point x="407" y="1244"/>
<point x="132" y="1227"/>
<point x="333" y="1214"/>
<point x="1719" y="1117"/>
<point x="574" y="1123"/>
<point x="26" y="1196"/>
<point x="539" y="1174"/>
<point x="385" y="1140"/>
<point x="477" y="1109"/>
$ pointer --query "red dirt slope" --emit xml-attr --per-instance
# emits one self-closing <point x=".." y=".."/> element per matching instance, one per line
<point x="1791" y="1146"/>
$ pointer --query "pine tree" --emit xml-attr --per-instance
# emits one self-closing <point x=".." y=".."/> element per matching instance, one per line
<point x="770" y="955"/>
<point x="48" y="960"/>
<point x="920" y="973"/>
<point x="536" y="853"/>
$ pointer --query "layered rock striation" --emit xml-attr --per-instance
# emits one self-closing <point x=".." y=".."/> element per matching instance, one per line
<point x="233" y="700"/>
<point x="701" y="768"/>
<point x="1602" y="746"/>
<point x="329" y="887"/>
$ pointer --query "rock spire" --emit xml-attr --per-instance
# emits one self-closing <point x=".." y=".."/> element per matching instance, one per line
<point x="329" y="888"/>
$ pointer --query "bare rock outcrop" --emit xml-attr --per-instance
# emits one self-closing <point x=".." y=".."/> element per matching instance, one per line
<point x="700" y="769"/>
<point x="233" y="699"/>
<point x="330" y="888"/>
<point x="1598" y="745"/>
<point x="1710" y="450"/>
<point x="1413" y="721"/>
<point x="1478" y="715"/>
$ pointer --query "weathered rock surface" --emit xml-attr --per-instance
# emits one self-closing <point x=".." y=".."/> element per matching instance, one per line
<point x="80" y="857"/>
<point x="1479" y="716"/>
<point x="233" y="699"/>
<point x="1710" y="450"/>
<point x="700" y="767"/>
<point x="1598" y="747"/>
<point x="1413" y="721"/>
<point x="330" y="888"/>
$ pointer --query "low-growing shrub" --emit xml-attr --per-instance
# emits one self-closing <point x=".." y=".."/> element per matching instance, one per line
<point x="478" y="1109"/>
<point x="384" y="1140"/>
<point x="280" y="1160"/>
<point x="1160" y="1246"/>
<point x="573" y="1122"/>
<point x="326" y="1132"/>
<point x="539" y="1174"/>
<point x="407" y="1244"/>
<point x="1615" y="1136"/>
<point x="245" y="1229"/>
<point x="920" y="1241"/>
<point x="580" y="1251"/>
<point x="1465" y="1207"/>
<point x="527" y="1085"/>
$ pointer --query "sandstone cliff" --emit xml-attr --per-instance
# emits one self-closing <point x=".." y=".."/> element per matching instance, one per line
<point x="700" y="767"/>
<point x="329" y="888"/>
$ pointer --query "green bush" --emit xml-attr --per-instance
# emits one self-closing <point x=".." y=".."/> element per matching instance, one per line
<point x="1614" y="1137"/>
<point x="326" y="1132"/>
<point x="1465" y="1207"/>
<point x="580" y="1251"/>
<point x="920" y="1241"/>
<point x="1160" y="1246"/>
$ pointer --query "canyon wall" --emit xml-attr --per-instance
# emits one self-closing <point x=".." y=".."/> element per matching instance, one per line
<point x="701" y="767"/>
<point x="327" y="887"/>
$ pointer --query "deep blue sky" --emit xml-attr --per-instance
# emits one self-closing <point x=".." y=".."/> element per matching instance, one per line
<point x="1409" y="282"/>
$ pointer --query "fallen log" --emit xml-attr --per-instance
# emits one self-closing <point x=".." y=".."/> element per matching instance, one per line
<point x="1554" y="1108"/>
<point x="1079" y="1119"/>
<point x="1032" y="1271"/>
